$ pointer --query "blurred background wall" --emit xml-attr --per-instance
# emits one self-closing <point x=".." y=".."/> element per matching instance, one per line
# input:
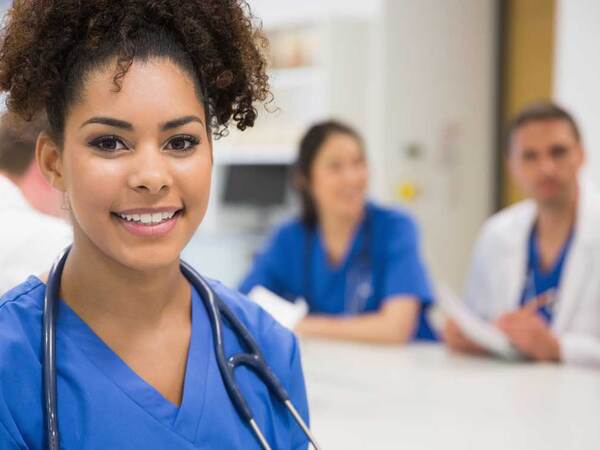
<point x="417" y="78"/>
<point x="429" y="84"/>
<point x="577" y="70"/>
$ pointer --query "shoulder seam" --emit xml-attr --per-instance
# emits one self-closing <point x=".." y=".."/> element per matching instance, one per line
<point x="14" y="299"/>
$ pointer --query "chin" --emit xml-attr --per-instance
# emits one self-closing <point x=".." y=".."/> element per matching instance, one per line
<point x="353" y="211"/>
<point x="553" y="200"/>
<point x="147" y="258"/>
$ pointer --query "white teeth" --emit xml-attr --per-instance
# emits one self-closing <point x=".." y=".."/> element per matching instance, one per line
<point x="148" y="219"/>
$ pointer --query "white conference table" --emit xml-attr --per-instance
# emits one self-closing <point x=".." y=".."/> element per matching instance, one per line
<point x="423" y="397"/>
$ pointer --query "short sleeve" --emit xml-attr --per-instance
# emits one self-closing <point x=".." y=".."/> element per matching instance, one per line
<point x="270" y="265"/>
<point x="404" y="272"/>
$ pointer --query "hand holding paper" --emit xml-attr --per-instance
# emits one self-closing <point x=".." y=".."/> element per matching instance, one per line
<point x="529" y="332"/>
<point x="484" y="334"/>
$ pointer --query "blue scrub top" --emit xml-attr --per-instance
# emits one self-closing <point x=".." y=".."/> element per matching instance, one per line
<point x="538" y="280"/>
<point x="383" y="261"/>
<point x="103" y="404"/>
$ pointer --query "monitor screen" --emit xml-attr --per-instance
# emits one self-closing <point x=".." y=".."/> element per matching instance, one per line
<point x="256" y="184"/>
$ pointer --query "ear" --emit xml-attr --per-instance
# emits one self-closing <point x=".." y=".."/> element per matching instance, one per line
<point x="49" y="160"/>
<point x="300" y="182"/>
<point x="582" y="155"/>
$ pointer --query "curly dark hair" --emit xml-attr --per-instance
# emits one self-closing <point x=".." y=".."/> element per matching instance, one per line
<point x="48" y="47"/>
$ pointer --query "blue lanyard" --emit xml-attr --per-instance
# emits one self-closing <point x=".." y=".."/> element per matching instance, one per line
<point x="539" y="282"/>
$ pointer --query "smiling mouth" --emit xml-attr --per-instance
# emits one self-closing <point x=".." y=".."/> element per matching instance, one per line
<point x="148" y="219"/>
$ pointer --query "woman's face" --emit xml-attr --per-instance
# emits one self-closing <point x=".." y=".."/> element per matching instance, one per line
<point x="136" y="164"/>
<point x="339" y="176"/>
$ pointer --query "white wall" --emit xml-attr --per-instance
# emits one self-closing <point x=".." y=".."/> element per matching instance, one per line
<point x="577" y="70"/>
<point x="437" y="95"/>
<point x="274" y="12"/>
<point x="431" y="82"/>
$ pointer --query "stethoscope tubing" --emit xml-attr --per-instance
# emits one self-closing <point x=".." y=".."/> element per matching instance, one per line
<point x="217" y="311"/>
<point x="49" y="330"/>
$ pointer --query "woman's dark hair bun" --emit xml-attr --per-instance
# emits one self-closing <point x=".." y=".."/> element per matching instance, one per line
<point x="48" y="47"/>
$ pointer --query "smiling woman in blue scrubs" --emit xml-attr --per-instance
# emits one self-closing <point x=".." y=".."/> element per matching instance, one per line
<point x="357" y="264"/>
<point x="133" y="91"/>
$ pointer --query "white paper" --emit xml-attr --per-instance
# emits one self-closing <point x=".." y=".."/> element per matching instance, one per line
<point x="478" y="330"/>
<point x="286" y="313"/>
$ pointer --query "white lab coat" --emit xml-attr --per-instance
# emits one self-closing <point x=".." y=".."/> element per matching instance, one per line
<point x="29" y="240"/>
<point x="499" y="265"/>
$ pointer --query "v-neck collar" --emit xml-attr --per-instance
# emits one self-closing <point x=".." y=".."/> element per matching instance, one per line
<point x="184" y="419"/>
<point x="535" y="260"/>
<point x="355" y="242"/>
<point x="323" y="275"/>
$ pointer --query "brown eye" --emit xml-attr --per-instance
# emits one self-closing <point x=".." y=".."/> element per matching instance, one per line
<point x="182" y="143"/>
<point x="108" y="143"/>
<point x="558" y="151"/>
<point x="529" y="155"/>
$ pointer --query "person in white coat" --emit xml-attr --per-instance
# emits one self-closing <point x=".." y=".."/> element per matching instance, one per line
<point x="535" y="271"/>
<point x="31" y="237"/>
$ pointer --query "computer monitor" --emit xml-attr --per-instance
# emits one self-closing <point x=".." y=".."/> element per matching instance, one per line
<point x="261" y="185"/>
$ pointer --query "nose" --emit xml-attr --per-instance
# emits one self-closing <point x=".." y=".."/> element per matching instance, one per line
<point x="355" y="174"/>
<point x="548" y="166"/>
<point x="150" y="172"/>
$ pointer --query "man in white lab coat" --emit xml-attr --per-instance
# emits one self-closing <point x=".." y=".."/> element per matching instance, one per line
<point x="535" y="271"/>
<point x="30" y="237"/>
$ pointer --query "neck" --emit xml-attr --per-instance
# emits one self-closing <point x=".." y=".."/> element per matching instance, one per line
<point x="556" y="220"/>
<point x="337" y="225"/>
<point x="103" y="291"/>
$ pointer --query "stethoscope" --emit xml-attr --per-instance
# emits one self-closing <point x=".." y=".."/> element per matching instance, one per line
<point x="359" y="283"/>
<point x="216" y="309"/>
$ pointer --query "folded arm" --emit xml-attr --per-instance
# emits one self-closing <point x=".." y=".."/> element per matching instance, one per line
<point x="394" y="323"/>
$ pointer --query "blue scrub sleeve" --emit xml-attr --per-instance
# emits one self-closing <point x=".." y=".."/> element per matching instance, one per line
<point x="297" y="392"/>
<point x="10" y="326"/>
<point x="405" y="273"/>
<point x="268" y="268"/>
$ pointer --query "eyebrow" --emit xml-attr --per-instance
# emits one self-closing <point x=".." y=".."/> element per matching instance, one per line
<point x="117" y="123"/>
<point x="108" y="121"/>
<point x="176" y="123"/>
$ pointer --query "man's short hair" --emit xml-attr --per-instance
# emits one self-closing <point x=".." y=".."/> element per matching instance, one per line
<point x="17" y="142"/>
<point x="541" y="111"/>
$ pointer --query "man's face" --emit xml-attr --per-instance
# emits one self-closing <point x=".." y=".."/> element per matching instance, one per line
<point x="544" y="159"/>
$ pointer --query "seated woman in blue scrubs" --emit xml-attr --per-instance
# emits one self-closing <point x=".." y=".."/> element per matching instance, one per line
<point x="357" y="264"/>
<point x="132" y="91"/>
